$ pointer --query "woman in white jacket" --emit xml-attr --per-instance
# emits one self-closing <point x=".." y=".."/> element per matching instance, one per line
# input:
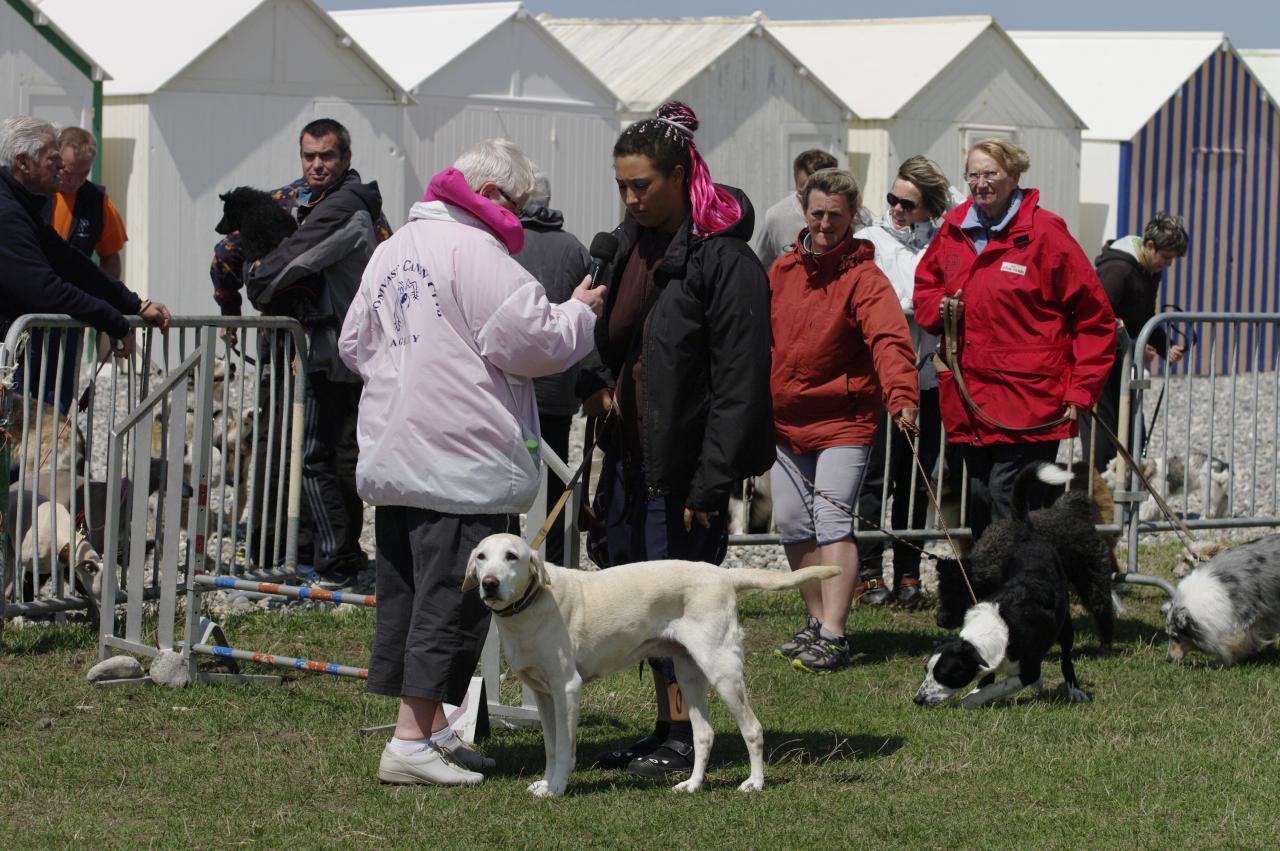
<point x="920" y="194"/>
<point x="448" y="332"/>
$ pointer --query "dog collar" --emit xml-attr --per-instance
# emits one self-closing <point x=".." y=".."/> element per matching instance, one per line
<point x="526" y="599"/>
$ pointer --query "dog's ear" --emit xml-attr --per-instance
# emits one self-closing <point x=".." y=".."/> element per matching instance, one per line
<point x="224" y="197"/>
<point x="471" y="579"/>
<point x="539" y="568"/>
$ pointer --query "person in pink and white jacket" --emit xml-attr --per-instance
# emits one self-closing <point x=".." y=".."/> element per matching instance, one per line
<point x="448" y="332"/>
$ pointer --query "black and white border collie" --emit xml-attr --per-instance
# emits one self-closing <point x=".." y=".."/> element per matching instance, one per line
<point x="1009" y="633"/>
<point x="1230" y="605"/>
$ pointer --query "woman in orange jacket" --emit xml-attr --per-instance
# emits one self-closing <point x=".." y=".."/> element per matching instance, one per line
<point x="841" y="355"/>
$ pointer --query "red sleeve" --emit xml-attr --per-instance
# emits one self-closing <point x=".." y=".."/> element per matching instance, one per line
<point x="929" y="290"/>
<point x="1091" y="320"/>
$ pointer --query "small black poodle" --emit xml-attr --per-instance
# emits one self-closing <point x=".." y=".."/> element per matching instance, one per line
<point x="263" y="224"/>
<point x="1069" y="525"/>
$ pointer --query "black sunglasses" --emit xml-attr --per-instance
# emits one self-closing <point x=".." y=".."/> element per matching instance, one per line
<point x="895" y="201"/>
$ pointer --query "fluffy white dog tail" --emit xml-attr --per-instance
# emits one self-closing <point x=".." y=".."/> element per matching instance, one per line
<point x="746" y="578"/>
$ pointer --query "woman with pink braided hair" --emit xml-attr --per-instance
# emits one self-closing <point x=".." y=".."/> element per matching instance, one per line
<point x="684" y="350"/>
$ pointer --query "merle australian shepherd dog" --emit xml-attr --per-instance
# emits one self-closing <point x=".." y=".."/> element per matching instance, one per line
<point x="263" y="224"/>
<point x="1229" y="606"/>
<point x="1010" y="632"/>
<point x="1068" y="524"/>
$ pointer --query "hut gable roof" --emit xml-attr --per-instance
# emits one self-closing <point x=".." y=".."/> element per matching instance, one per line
<point x="1265" y="65"/>
<point x="647" y="60"/>
<point x="42" y="16"/>
<point x="1117" y="80"/>
<point x="147" y="43"/>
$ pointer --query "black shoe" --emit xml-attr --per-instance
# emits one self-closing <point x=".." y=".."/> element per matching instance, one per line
<point x="872" y="592"/>
<point x="622" y="758"/>
<point x="908" y="595"/>
<point x="673" y="756"/>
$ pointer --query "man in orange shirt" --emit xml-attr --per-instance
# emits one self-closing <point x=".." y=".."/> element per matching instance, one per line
<point x="82" y="213"/>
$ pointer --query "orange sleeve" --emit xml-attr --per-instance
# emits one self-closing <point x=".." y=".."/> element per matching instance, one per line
<point x="113" y="236"/>
<point x="62" y="213"/>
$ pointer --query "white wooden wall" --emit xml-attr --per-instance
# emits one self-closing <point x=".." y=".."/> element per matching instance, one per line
<point x="756" y="113"/>
<point x="987" y="86"/>
<point x="35" y="79"/>
<point x="1099" y="193"/>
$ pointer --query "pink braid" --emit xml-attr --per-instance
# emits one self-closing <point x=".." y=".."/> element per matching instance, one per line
<point x="713" y="208"/>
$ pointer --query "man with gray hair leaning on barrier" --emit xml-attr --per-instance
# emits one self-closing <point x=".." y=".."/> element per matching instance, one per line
<point x="1131" y="269"/>
<point x="447" y="330"/>
<point x="39" y="271"/>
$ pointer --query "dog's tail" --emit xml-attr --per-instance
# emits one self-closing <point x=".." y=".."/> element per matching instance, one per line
<point x="1033" y="475"/>
<point x="747" y="578"/>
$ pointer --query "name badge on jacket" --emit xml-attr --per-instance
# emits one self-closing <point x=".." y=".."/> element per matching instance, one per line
<point x="1015" y="268"/>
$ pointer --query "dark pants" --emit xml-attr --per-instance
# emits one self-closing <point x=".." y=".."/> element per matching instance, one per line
<point x="650" y="529"/>
<point x="1108" y="411"/>
<point x="329" y="456"/>
<point x="555" y="434"/>
<point x="429" y="634"/>
<point x="902" y="466"/>
<point x="992" y="470"/>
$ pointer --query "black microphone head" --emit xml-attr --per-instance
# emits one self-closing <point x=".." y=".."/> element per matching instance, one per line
<point x="604" y="246"/>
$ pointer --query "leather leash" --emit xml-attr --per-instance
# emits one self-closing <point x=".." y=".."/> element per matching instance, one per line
<point x="952" y="310"/>
<point x="554" y="513"/>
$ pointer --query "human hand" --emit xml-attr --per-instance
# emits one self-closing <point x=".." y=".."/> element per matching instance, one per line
<point x="592" y="298"/>
<point x="1073" y="412"/>
<point x="156" y="314"/>
<point x="906" y="421"/>
<point x="122" y="347"/>
<point x="1175" y="353"/>
<point x="229" y="334"/>
<point x="703" y="518"/>
<point x="599" y="403"/>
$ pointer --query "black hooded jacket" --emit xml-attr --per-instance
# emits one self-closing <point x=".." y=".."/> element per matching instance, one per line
<point x="708" y="413"/>
<point x="1132" y="291"/>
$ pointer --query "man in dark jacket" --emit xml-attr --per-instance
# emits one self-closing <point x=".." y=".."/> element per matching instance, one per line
<point x="39" y="271"/>
<point x="559" y="262"/>
<point x="1131" y="269"/>
<point x="316" y="273"/>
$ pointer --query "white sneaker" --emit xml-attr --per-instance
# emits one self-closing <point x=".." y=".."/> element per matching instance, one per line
<point x="429" y="765"/>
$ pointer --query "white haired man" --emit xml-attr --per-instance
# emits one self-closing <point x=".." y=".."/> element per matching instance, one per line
<point x="447" y="330"/>
<point x="39" y="271"/>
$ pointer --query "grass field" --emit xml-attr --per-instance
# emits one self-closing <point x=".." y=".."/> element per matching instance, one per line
<point x="1163" y="757"/>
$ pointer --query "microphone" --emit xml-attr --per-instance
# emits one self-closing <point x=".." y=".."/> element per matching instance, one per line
<point x="603" y="247"/>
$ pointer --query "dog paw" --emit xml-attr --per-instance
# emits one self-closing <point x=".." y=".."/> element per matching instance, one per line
<point x="689" y="785"/>
<point x="1075" y="695"/>
<point x="751" y="784"/>
<point x="543" y="789"/>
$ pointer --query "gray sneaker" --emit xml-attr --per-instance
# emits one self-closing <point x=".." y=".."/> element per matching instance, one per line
<point x="823" y="656"/>
<point x="430" y="766"/>
<point x="798" y="643"/>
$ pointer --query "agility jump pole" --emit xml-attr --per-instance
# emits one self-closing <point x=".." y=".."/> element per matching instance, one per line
<point x="295" y="591"/>
<point x="280" y="661"/>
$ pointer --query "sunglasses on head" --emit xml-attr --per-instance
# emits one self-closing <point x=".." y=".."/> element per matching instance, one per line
<point x="895" y="201"/>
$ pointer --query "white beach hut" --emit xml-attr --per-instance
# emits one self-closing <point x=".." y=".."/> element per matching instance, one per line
<point x="487" y="70"/>
<point x="43" y="72"/>
<point x="207" y="96"/>
<point x="934" y="86"/>
<point x="757" y="104"/>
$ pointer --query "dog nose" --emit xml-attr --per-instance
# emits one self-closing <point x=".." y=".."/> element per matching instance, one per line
<point x="918" y="700"/>
<point x="490" y="586"/>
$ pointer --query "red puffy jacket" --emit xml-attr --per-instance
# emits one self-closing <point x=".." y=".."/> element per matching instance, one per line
<point x="1038" y="332"/>
<point x="841" y="349"/>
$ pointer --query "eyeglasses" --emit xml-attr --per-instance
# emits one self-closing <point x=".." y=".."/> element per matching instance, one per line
<point x="895" y="201"/>
<point x="978" y="176"/>
<point x="514" y="206"/>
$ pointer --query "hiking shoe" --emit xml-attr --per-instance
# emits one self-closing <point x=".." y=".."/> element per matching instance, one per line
<point x="823" y="656"/>
<point x="794" y="646"/>
<point x="872" y="592"/>
<point x="623" y="757"/>
<point x="672" y="756"/>
<point x="908" y="594"/>
<point x="429" y="766"/>
<point x="331" y="582"/>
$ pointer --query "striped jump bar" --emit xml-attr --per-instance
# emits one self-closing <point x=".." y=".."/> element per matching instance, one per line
<point x="281" y="661"/>
<point x="295" y="591"/>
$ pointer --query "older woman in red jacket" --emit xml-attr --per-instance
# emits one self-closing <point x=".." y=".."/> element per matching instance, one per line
<point x="841" y="354"/>
<point x="1036" y="336"/>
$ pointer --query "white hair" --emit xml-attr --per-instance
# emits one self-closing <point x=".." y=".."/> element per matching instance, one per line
<point x="497" y="161"/>
<point x="24" y="134"/>
<point x="541" y="193"/>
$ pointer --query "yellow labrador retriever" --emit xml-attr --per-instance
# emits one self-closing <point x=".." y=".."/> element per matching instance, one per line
<point x="561" y="628"/>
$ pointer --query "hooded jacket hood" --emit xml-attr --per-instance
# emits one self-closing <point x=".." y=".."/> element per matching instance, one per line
<point x="1127" y="250"/>
<point x="451" y="187"/>
<point x="539" y="217"/>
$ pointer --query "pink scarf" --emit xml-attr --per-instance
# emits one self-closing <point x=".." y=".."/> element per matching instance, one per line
<point x="451" y="187"/>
